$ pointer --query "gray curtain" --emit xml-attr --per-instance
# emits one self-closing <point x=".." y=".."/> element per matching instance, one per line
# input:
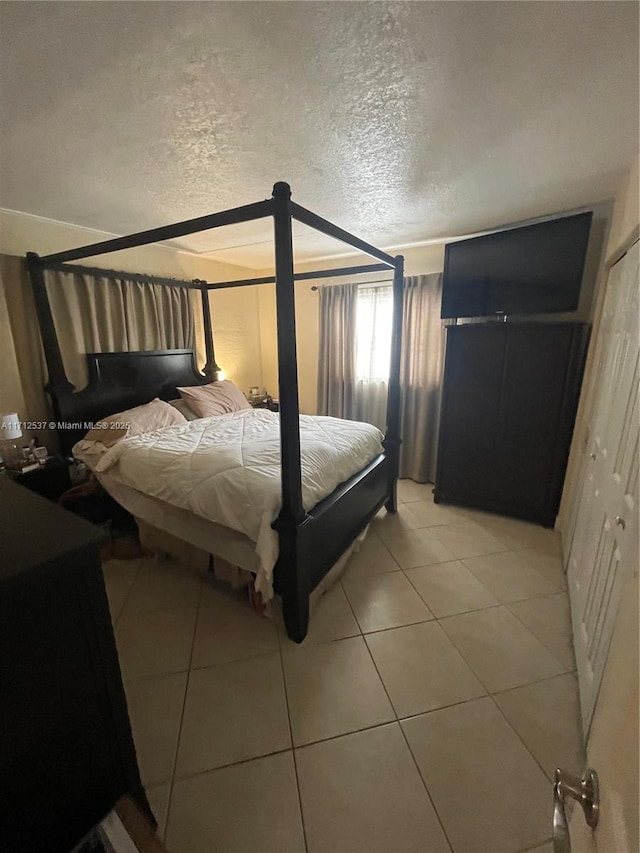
<point x="337" y="352"/>
<point x="342" y="394"/>
<point x="421" y="376"/>
<point x="23" y="373"/>
<point x="110" y="314"/>
<point x="371" y="402"/>
<point x="351" y="384"/>
<point x="91" y="315"/>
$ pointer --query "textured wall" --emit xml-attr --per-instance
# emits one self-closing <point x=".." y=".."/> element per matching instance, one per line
<point x="626" y="213"/>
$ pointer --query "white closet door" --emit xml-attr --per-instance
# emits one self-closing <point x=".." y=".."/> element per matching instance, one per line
<point x="604" y="546"/>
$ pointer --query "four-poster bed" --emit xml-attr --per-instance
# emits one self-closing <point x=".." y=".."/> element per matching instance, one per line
<point x="311" y="541"/>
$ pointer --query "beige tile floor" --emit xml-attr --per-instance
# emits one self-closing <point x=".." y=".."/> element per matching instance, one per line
<point x="425" y="711"/>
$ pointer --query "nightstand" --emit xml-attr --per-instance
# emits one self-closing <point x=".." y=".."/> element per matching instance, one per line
<point x="273" y="405"/>
<point x="49" y="480"/>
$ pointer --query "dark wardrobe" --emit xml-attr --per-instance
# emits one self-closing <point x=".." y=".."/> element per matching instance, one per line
<point x="509" y="402"/>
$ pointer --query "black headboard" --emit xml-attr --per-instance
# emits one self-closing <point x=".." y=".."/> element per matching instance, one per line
<point x="119" y="381"/>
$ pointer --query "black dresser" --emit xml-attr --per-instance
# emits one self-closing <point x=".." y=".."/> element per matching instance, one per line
<point x="66" y="749"/>
<point x="509" y="402"/>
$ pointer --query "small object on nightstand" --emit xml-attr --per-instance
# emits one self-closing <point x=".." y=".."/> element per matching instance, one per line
<point x="34" y="453"/>
<point x="30" y="466"/>
<point x="41" y="453"/>
<point x="263" y="400"/>
<point x="256" y="396"/>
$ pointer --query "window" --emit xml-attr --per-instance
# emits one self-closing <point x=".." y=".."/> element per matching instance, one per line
<point x="374" y="319"/>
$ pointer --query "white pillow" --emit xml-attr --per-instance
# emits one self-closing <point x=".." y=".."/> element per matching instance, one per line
<point x="147" y="418"/>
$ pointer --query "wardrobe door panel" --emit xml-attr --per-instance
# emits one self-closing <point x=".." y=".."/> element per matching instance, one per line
<point x="534" y="382"/>
<point x="471" y="410"/>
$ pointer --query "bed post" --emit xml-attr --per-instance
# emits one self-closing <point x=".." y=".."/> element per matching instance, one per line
<point x="392" y="439"/>
<point x="210" y="369"/>
<point x="57" y="383"/>
<point x="293" y="584"/>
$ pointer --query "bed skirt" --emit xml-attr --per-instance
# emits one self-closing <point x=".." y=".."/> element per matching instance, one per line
<point x="160" y="541"/>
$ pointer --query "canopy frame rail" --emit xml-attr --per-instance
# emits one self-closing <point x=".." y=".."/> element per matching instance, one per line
<point x="296" y="527"/>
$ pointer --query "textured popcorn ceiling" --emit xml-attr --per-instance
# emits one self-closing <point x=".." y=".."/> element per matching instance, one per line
<point x="402" y="122"/>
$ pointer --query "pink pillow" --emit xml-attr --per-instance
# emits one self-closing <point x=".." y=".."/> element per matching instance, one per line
<point x="147" y="418"/>
<point x="218" y="398"/>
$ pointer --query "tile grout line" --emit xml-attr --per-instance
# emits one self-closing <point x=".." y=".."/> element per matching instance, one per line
<point x="241" y="761"/>
<point x="517" y="734"/>
<point x="343" y="735"/>
<point x="424" y="784"/>
<point x="364" y="636"/>
<point x="487" y="529"/>
<point x="399" y="719"/>
<point x="474" y="610"/>
<point x="127" y="596"/>
<point x="184" y="704"/>
<point x="438" y="619"/>
<point x="515" y="686"/>
<point x="540" y="681"/>
<point x="488" y="695"/>
<point x="413" y="758"/>
<point x="387" y="549"/>
<point x="551" y="652"/>
<point x="525" y="628"/>
<point x="353" y="612"/>
<point x="293" y="748"/>
<point x="491" y="696"/>
<point x="556" y="589"/>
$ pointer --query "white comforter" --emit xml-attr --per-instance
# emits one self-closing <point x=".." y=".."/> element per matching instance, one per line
<point x="227" y="469"/>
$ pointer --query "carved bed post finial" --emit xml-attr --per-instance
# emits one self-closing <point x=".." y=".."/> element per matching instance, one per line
<point x="210" y="368"/>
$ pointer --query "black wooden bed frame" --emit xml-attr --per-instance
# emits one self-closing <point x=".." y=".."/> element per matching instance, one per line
<point x="310" y="542"/>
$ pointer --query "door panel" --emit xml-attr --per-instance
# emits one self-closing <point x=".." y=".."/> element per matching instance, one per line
<point x="604" y="547"/>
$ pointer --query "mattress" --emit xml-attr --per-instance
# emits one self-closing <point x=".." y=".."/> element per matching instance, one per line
<point x="213" y="538"/>
<point x="226" y="470"/>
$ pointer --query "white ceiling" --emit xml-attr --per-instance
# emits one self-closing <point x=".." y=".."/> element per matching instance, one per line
<point x="402" y="122"/>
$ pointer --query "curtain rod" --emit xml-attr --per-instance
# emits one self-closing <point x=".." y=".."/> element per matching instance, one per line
<point x="299" y="276"/>
<point x="99" y="272"/>
<point x="376" y="283"/>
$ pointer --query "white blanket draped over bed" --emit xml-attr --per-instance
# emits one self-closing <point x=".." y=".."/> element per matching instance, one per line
<point x="227" y="469"/>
